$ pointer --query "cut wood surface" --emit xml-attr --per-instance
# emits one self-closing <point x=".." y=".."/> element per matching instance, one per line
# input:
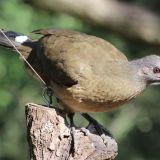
<point x="49" y="138"/>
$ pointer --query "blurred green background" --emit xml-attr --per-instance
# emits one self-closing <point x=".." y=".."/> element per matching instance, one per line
<point x="136" y="125"/>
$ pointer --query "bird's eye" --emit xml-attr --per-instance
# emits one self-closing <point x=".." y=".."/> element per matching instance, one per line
<point x="156" y="70"/>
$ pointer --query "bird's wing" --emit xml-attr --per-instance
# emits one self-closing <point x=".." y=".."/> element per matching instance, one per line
<point x="72" y="55"/>
<point x="111" y="53"/>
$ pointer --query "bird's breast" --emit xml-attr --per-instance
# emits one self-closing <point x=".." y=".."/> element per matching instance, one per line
<point x="90" y="98"/>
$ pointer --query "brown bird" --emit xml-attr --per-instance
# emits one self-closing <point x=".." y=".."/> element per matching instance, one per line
<point x="86" y="73"/>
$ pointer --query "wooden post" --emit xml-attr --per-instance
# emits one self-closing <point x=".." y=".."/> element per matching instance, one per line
<point x="49" y="138"/>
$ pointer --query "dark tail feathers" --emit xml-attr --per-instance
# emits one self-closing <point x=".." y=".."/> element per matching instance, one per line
<point x="16" y="38"/>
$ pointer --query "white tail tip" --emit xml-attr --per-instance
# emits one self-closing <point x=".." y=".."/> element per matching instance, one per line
<point x="21" y="39"/>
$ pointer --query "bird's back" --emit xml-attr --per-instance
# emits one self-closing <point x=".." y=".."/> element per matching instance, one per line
<point x="79" y="44"/>
<point x="77" y="53"/>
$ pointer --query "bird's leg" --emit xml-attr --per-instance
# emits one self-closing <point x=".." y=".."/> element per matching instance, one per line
<point x="98" y="127"/>
<point x="73" y="133"/>
<point x="47" y="95"/>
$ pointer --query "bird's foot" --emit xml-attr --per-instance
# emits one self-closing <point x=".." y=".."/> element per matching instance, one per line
<point x="95" y="127"/>
<point x="47" y="95"/>
<point x="73" y="141"/>
<point x="73" y="134"/>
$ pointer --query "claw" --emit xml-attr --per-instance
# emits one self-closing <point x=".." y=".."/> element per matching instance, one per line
<point x="47" y="95"/>
<point x="95" y="126"/>
<point x="73" y="134"/>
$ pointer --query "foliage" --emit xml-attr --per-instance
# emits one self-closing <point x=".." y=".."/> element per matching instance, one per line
<point x="135" y="126"/>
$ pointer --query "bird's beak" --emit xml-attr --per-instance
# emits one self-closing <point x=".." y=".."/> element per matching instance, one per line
<point x="156" y="83"/>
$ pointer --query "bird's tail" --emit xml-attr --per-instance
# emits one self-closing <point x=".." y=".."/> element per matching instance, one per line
<point x="12" y="38"/>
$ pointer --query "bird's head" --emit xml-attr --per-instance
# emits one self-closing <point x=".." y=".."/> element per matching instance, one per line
<point x="148" y="68"/>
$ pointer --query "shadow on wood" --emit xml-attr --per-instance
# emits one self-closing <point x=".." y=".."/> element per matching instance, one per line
<point x="50" y="138"/>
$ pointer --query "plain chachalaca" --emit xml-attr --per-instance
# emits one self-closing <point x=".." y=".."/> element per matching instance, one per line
<point x="86" y="73"/>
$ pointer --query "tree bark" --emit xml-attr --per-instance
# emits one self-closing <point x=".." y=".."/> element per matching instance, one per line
<point x="129" y="20"/>
<point x="49" y="138"/>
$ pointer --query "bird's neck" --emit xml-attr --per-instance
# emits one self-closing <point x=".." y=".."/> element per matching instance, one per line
<point x="135" y="79"/>
<point x="128" y="82"/>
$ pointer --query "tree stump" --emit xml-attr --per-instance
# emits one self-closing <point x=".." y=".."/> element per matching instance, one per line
<point x="49" y="138"/>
